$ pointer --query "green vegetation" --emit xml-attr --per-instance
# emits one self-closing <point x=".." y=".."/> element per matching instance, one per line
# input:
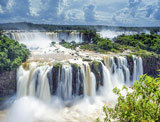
<point x="93" y="42"/>
<point x="12" y="54"/>
<point x="140" y="44"/>
<point x="75" y="66"/>
<point x="87" y="59"/>
<point x="149" y="42"/>
<point x="95" y="65"/>
<point x="142" y="104"/>
<point x="71" y="45"/>
<point x="57" y="65"/>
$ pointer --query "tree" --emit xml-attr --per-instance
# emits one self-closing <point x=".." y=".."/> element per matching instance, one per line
<point x="140" y="105"/>
<point x="105" y="44"/>
<point x="12" y="54"/>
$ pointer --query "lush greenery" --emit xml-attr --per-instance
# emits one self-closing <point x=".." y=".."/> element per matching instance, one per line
<point x="92" y="42"/>
<point x="71" y="45"/>
<point x="139" y="44"/>
<point x="12" y="54"/>
<point x="142" y="104"/>
<point x="149" y="42"/>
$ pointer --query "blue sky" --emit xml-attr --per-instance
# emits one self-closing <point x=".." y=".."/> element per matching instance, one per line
<point x="106" y="12"/>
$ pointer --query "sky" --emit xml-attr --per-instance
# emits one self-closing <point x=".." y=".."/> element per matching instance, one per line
<point x="82" y="12"/>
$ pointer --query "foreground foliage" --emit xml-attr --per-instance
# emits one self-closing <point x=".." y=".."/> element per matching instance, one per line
<point x="140" y="105"/>
<point x="12" y="54"/>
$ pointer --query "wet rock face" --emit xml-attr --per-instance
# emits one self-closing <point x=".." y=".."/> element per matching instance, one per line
<point x="131" y="65"/>
<point x="7" y="83"/>
<point x="54" y="83"/>
<point x="96" y="68"/>
<point x="151" y="65"/>
<point x="77" y="81"/>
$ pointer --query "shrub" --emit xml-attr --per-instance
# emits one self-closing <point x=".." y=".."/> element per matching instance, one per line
<point x="140" y="105"/>
<point x="105" y="44"/>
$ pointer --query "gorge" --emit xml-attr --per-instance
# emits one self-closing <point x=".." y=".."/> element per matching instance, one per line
<point x="60" y="84"/>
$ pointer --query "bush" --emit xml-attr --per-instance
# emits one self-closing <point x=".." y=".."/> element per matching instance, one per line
<point x="105" y="44"/>
<point x="140" y="105"/>
<point x="12" y="54"/>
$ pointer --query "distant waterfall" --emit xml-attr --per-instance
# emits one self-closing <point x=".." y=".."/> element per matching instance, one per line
<point x="68" y="81"/>
<point x="53" y="36"/>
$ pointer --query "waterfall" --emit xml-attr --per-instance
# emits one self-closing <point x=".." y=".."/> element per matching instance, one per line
<point x="64" y="89"/>
<point x="87" y="80"/>
<point x="119" y="69"/>
<point x="107" y="79"/>
<point x="43" y="84"/>
<point x="33" y="82"/>
<point x="72" y="80"/>
<point x="137" y="67"/>
<point x="93" y="85"/>
<point x="28" y="37"/>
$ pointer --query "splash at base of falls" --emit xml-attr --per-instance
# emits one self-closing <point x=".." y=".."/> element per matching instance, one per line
<point x="29" y="109"/>
<point x="69" y="92"/>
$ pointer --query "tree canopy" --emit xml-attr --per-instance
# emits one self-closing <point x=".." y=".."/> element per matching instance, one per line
<point x="12" y="54"/>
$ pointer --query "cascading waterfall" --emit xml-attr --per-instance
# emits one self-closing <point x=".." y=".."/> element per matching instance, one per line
<point x="26" y="37"/>
<point x="107" y="79"/>
<point x="43" y="91"/>
<point x="137" y="67"/>
<point x="75" y="80"/>
<point x="93" y="85"/>
<point x="64" y="89"/>
<point x="119" y="69"/>
<point x="73" y="91"/>
<point x="34" y="82"/>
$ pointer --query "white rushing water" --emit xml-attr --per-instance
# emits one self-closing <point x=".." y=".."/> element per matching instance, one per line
<point x="69" y="92"/>
<point x="35" y="40"/>
<point x="114" y="33"/>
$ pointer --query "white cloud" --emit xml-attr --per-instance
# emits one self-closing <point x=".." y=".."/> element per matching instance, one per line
<point x="62" y="6"/>
<point x="74" y="15"/>
<point x="10" y="4"/>
<point x="138" y="13"/>
<point x="109" y="12"/>
<point x="35" y="7"/>
<point x="1" y="10"/>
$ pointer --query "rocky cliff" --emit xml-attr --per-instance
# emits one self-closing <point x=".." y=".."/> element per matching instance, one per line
<point x="151" y="64"/>
<point x="7" y="83"/>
